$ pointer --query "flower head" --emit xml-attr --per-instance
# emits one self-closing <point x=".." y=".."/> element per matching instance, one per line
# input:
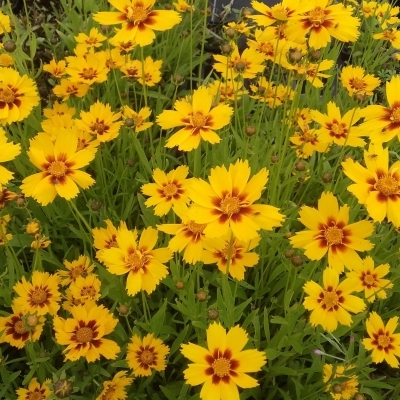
<point x="35" y="390"/>
<point x="115" y="388"/>
<point x="346" y="389"/>
<point x="8" y="151"/>
<point x="66" y="89"/>
<point x="94" y="39"/>
<point x="80" y="267"/>
<point x="5" y="23"/>
<point x="85" y="289"/>
<point x="57" y="69"/>
<point x="88" y="69"/>
<point x="138" y="118"/>
<point x="357" y="82"/>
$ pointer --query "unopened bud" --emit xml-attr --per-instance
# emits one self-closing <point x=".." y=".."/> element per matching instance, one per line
<point x="201" y="295"/>
<point x="32" y="320"/>
<point x="327" y="177"/>
<point x="179" y="285"/>
<point x="297" y="260"/>
<point x="123" y="309"/>
<point x="300" y="166"/>
<point x="226" y="48"/>
<point x="212" y="314"/>
<point x="295" y="55"/>
<point x="251" y="130"/>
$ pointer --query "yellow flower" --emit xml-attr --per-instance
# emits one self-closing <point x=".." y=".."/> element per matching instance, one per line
<point x="94" y="39"/>
<point x="240" y="27"/>
<point x="146" y="354"/>
<point x="40" y="242"/>
<point x="114" y="58"/>
<point x="198" y="118"/>
<point x="4" y="236"/>
<point x="391" y="35"/>
<point x="387" y="15"/>
<point x="59" y="109"/>
<point x="384" y="343"/>
<point x="168" y="190"/>
<point x="39" y="296"/>
<point x="226" y="90"/>
<point x="88" y="69"/>
<point x="5" y="23"/>
<point x="6" y="196"/>
<point x="106" y="238"/>
<point x="6" y="60"/>
<point x="8" y="151"/>
<point x="35" y="390"/>
<point x="138" y="118"/>
<point x="273" y="49"/>
<point x="57" y="69"/>
<point x="331" y="304"/>
<point x="80" y="267"/>
<point x="182" y="6"/>
<point x="66" y="88"/>
<point x="369" y="8"/>
<point x="84" y="333"/>
<point x="343" y="390"/>
<point x="123" y="45"/>
<point x="311" y="71"/>
<point x="86" y="288"/>
<point x="357" y="82"/>
<point x="223" y="365"/>
<point x="115" y="389"/>
<point x="330" y="232"/>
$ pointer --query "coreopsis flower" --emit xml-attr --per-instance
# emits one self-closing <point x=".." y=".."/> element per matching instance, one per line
<point x="345" y="389"/>
<point x="5" y="23"/>
<point x="330" y="232"/>
<point x="59" y="109"/>
<point x="114" y="58"/>
<point x="226" y="90"/>
<point x="57" y="125"/>
<point x="368" y="279"/>
<point x="331" y="304"/>
<point x="188" y="236"/>
<point x="149" y="72"/>
<point x="88" y="69"/>
<point x="4" y="236"/>
<point x="40" y="242"/>
<point x="40" y="295"/>
<point x="35" y="390"/>
<point x="272" y="49"/>
<point x="32" y="227"/>
<point x="278" y="33"/>
<point x="66" y="89"/>
<point x="18" y="96"/>
<point x="377" y="186"/>
<point x="6" y="60"/>
<point x="182" y="6"/>
<point x="246" y="65"/>
<point x="115" y="388"/>
<point x="390" y="35"/>
<point x="143" y="264"/>
<point x="227" y="202"/>
<point x="337" y="129"/>
<point x="322" y="21"/>
<point x="223" y="365"/>
<point x="94" y="39"/>
<point x="357" y="82"/>
<point x="266" y="92"/>
<point x="86" y="288"/>
<point x="59" y="163"/>
<point x="369" y="8"/>
<point x="8" y="151"/>
<point x="57" y="69"/>
<point x="138" y="19"/>
<point x="384" y="343"/>
<point x="312" y="72"/>
<point x="106" y="238"/>
<point x="138" y="118"/>
<point x="83" y="334"/>
<point x="100" y="121"/>
<point x="231" y="255"/>
<point x="132" y="70"/>
<point x="168" y="190"/>
<point x="146" y="354"/>
<point x="123" y="45"/>
<point x="14" y="329"/>
<point x="5" y="197"/>
<point x="80" y="267"/>
<point x="198" y="118"/>
<point x="387" y="14"/>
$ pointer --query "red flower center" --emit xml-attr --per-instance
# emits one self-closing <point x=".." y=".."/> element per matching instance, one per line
<point x="38" y="296"/>
<point x="230" y="205"/>
<point x="6" y="95"/>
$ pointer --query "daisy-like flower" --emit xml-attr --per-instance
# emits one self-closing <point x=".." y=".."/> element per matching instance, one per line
<point x="226" y="90"/>
<point x="59" y="109"/>
<point x="123" y="45"/>
<point x="312" y="72"/>
<point x="40" y="242"/>
<point x="137" y="117"/>
<point x="337" y="129"/>
<point x="322" y="21"/>
<point x="86" y="288"/>
<point x="6" y="60"/>
<point x="231" y="255"/>
<point x="114" y="58"/>
<point x="83" y="334"/>
<point x="369" y="8"/>
<point x="367" y="279"/>
<point x="223" y="365"/>
<point x="168" y="190"/>
<point x="143" y="264"/>
<point x="94" y="39"/>
<point x="198" y="119"/>
<point x="132" y="70"/>
<point x="331" y="304"/>
<point x="149" y="72"/>
<point x="377" y="186"/>
<point x="227" y="202"/>
<point x="40" y="295"/>
<point x="59" y="163"/>
<point x="138" y="19"/>
<point x="16" y="331"/>
<point x="246" y="65"/>
<point x="330" y="232"/>
<point x="88" y="69"/>
<point x="100" y="121"/>
<point x="345" y="389"/>
<point x="241" y="28"/>
<point x="8" y="151"/>
<point x="18" y="95"/>
<point x="383" y="123"/>
<point x="57" y="69"/>
<point x="384" y="343"/>
<point x="267" y="92"/>
<point x="182" y="6"/>
<point x="80" y="267"/>
<point x="390" y="35"/>
<point x="35" y="390"/>
<point x="272" y="49"/>
<point x="66" y="89"/>
<point x="387" y="15"/>
<point x="5" y="23"/>
<point x="357" y="82"/>
<point x="106" y="238"/>
<point x="115" y="389"/>
<point x="146" y="354"/>
<point x="188" y="236"/>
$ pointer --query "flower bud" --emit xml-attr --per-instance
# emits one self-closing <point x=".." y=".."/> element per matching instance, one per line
<point x="315" y="55"/>
<point x="359" y="396"/>
<point x="179" y="285"/>
<point x="95" y="205"/>
<point x="212" y="314"/>
<point x="123" y="309"/>
<point x="32" y="227"/>
<point x="9" y="46"/>
<point x="105" y="28"/>
<point x="246" y="12"/>
<point x="20" y="201"/>
<point x="130" y="162"/>
<point x="250" y="130"/>
<point x="297" y="260"/>
<point x="230" y="32"/>
<point x="62" y="388"/>
<point x="240" y="66"/>
<point x="226" y="48"/>
<point x="32" y="320"/>
<point x="337" y="388"/>
<point x="300" y="166"/>
<point x="177" y="78"/>
<point x="201" y="295"/>
<point x="274" y="158"/>
<point x="295" y="55"/>
<point x="129" y="122"/>
<point x="289" y="253"/>
<point x="327" y="177"/>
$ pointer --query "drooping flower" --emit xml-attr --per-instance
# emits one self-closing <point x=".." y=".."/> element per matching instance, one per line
<point x="18" y="96"/>
<point x="83" y="334"/>
<point x="330" y="232"/>
<point x="40" y="295"/>
<point x="8" y="151"/>
<point x="138" y="19"/>
<point x="35" y="390"/>
<point x="5" y="197"/>
<point x="345" y="389"/>
<point x="146" y="354"/>
<point x="357" y="82"/>
<point x="223" y="365"/>
<point x="94" y="39"/>
<point x="143" y="264"/>
<point x="66" y="88"/>
<point x="227" y="202"/>
<point x="59" y="163"/>
<point x="365" y="278"/>
<point x="168" y="190"/>
<point x="57" y="69"/>
<point x="377" y="186"/>
<point x="384" y="343"/>
<point x="331" y="304"/>
<point x="198" y="119"/>
<point x="40" y="242"/>
<point x="138" y="118"/>
<point x="115" y="388"/>
<point x="80" y="267"/>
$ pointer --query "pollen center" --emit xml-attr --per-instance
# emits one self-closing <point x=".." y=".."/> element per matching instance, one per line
<point x="19" y="328"/>
<point x="91" y="40"/>
<point x="267" y="48"/>
<point x="196" y="228"/>
<point x="35" y="396"/>
<point x="6" y="95"/>
<point x="135" y="260"/>
<point x="109" y="394"/>
<point x="390" y="35"/>
<point x="221" y="367"/>
<point x="383" y="340"/>
<point x="147" y="357"/>
<point x="338" y="129"/>
<point x="136" y="14"/>
<point x="99" y="127"/>
<point x="229" y="252"/>
<point x="57" y="169"/>
<point x="170" y="190"/>
<point x="38" y="296"/>
<point x="316" y="17"/>
<point x="331" y="299"/>
<point x="199" y="119"/>
<point x="333" y="235"/>
<point x="395" y="117"/>
<point x="358" y="83"/>
<point x="84" y="335"/>
<point x="88" y="73"/>
<point x="76" y="271"/>
<point x="369" y="280"/>
<point x="88" y="291"/>
<point x="387" y="185"/>
<point x="230" y="205"/>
